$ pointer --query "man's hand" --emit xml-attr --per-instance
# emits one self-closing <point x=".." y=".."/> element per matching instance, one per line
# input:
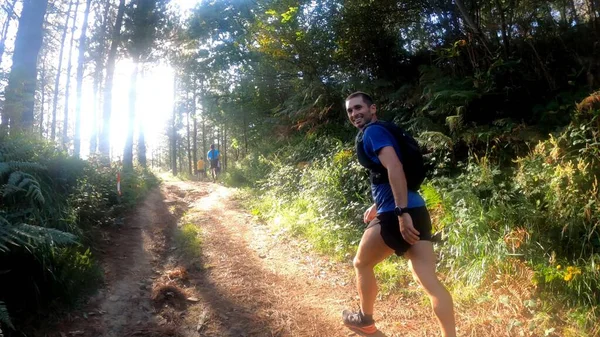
<point x="370" y="214"/>
<point x="408" y="231"/>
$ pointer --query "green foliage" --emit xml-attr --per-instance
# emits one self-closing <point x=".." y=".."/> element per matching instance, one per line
<point x="248" y="171"/>
<point x="541" y="214"/>
<point x="320" y="199"/>
<point x="189" y="239"/>
<point x="4" y="317"/>
<point x="51" y="209"/>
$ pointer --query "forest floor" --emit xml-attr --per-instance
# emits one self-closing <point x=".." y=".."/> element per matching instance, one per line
<point x="243" y="279"/>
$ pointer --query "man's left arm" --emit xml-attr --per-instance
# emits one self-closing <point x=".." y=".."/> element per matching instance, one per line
<point x="388" y="158"/>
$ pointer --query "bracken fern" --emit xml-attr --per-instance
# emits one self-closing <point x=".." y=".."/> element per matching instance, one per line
<point x="4" y="317"/>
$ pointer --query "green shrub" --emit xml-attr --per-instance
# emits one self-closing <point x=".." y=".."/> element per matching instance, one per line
<point x="51" y="208"/>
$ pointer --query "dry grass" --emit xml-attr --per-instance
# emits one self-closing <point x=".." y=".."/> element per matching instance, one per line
<point x="169" y="295"/>
<point x="177" y="273"/>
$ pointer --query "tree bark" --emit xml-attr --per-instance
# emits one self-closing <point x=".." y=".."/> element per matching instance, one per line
<point x="20" y="91"/>
<point x="189" y="141"/>
<point x="80" y="69"/>
<point x="65" y="135"/>
<point x="108" y="85"/>
<point x="173" y="139"/>
<point x="224" y="148"/>
<point x="99" y="68"/>
<point x="503" y="27"/>
<point x="574" y="10"/>
<point x="472" y="25"/>
<point x="194" y="119"/>
<point x="204" y="148"/>
<point x="43" y="96"/>
<point x="58" y="72"/>
<point x="141" y="145"/>
<point x="128" y="150"/>
<point x="245" y="130"/>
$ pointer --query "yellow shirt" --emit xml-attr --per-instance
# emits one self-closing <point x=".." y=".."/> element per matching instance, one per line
<point x="200" y="164"/>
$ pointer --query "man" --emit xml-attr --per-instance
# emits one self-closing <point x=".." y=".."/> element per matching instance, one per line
<point x="398" y="222"/>
<point x="213" y="156"/>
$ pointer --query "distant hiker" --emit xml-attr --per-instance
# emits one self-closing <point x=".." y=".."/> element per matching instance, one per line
<point x="213" y="156"/>
<point x="398" y="221"/>
<point x="200" y="167"/>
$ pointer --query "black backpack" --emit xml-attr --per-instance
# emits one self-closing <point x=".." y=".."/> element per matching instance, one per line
<point x="412" y="159"/>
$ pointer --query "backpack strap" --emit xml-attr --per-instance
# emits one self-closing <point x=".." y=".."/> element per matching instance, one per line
<point x="414" y="168"/>
<point x="378" y="173"/>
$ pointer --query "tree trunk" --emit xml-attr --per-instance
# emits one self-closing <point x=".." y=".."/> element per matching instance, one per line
<point x="43" y="98"/>
<point x="574" y="10"/>
<point x="99" y="68"/>
<point x="80" y="69"/>
<point x="94" y="135"/>
<point x="224" y="148"/>
<point x="65" y="136"/>
<point x="472" y="25"/>
<point x="58" y="72"/>
<point x="593" y="15"/>
<point x="181" y="153"/>
<point x="174" y="129"/>
<point x="189" y="139"/>
<point x="194" y="119"/>
<point x="503" y="26"/>
<point x="5" y="26"/>
<point x="128" y="150"/>
<point x="245" y="128"/>
<point x="141" y="145"/>
<point x="20" y="91"/>
<point x="108" y="85"/>
<point x="204" y="148"/>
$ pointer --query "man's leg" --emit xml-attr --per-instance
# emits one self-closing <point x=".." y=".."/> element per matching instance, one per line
<point x="371" y="251"/>
<point x="421" y="261"/>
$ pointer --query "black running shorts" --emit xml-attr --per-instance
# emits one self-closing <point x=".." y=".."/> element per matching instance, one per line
<point x="214" y="163"/>
<point x="390" y="228"/>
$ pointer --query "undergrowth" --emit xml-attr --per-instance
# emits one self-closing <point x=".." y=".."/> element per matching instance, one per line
<point x="52" y="209"/>
<point x="523" y="237"/>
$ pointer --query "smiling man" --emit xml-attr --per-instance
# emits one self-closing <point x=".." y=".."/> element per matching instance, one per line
<point x="398" y="221"/>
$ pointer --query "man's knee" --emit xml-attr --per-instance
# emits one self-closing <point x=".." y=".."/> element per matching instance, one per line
<point x="362" y="263"/>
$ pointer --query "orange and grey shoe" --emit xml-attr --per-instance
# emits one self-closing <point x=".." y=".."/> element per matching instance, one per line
<point x="356" y="322"/>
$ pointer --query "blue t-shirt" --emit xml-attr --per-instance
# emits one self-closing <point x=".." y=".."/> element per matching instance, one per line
<point x="377" y="137"/>
<point x="213" y="154"/>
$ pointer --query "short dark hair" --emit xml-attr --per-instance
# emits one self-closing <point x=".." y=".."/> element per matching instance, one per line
<point x="365" y="97"/>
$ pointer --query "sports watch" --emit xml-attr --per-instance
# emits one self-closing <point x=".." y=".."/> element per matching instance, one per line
<point x="399" y="210"/>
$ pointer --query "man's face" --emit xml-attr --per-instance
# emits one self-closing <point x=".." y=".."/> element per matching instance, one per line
<point x="359" y="113"/>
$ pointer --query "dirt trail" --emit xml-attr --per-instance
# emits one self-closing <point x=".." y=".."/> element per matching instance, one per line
<point x="247" y="280"/>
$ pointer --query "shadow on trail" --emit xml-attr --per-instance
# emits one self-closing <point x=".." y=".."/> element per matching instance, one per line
<point x="127" y="253"/>
<point x="242" y="298"/>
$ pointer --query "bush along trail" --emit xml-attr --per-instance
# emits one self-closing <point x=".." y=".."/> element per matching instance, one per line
<point x="191" y="262"/>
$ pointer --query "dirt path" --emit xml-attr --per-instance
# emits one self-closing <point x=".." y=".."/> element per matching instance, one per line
<point x="245" y="281"/>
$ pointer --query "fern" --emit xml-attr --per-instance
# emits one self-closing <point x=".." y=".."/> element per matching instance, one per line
<point x="8" y="235"/>
<point x="30" y="236"/>
<point x="4" y="317"/>
<point x="11" y="166"/>
<point x="435" y="140"/>
<point x="43" y="235"/>
<point x="19" y="181"/>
